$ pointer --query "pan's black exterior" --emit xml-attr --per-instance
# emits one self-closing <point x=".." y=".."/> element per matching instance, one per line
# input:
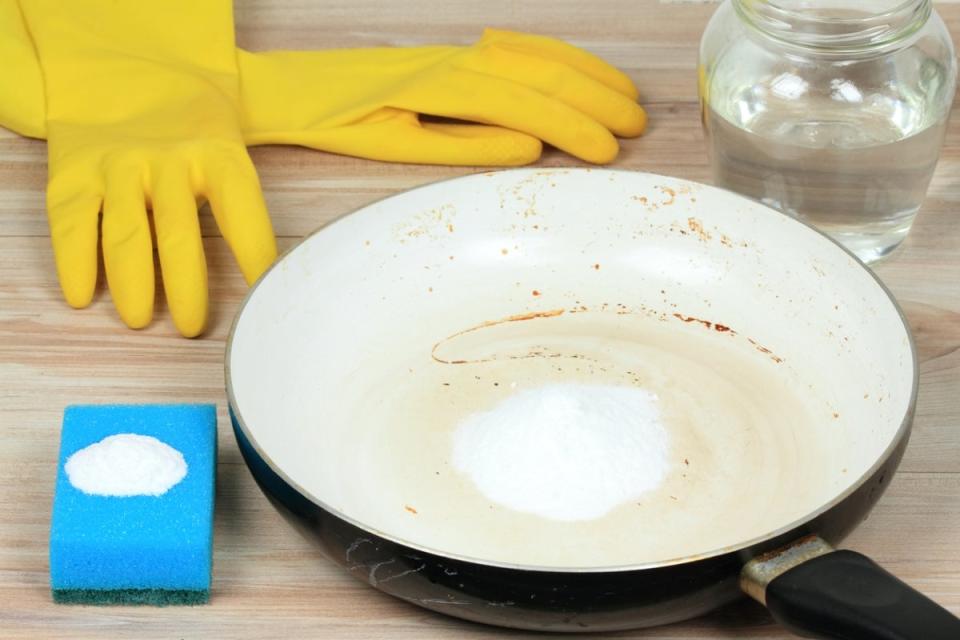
<point x="550" y="600"/>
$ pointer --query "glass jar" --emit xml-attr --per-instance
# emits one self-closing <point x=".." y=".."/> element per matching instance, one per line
<point x="833" y="111"/>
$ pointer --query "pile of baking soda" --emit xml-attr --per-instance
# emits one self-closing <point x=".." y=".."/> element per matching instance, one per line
<point x="125" y="465"/>
<point x="565" y="451"/>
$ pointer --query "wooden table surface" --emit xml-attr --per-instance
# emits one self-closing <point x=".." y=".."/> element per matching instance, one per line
<point x="268" y="581"/>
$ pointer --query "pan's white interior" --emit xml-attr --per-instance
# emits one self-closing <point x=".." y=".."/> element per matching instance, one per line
<point x="356" y="357"/>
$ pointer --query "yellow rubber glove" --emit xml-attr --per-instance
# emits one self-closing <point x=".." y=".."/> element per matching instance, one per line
<point x="22" y="99"/>
<point x="365" y="102"/>
<point x="141" y="110"/>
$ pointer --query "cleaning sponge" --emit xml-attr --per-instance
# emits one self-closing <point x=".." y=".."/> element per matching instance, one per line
<point x="133" y="505"/>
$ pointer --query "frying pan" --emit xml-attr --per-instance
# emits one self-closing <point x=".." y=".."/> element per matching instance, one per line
<point x="785" y="372"/>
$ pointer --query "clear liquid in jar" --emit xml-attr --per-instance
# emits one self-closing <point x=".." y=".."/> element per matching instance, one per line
<point x="857" y="172"/>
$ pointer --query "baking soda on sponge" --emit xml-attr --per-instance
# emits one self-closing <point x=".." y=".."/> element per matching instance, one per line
<point x="124" y="465"/>
<point x="133" y="505"/>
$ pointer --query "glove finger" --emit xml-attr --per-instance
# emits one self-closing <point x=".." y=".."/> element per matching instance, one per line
<point x="621" y="115"/>
<point x="477" y="97"/>
<point x="474" y="144"/>
<point x="560" y="51"/>
<point x="180" y="247"/>
<point x="236" y="200"/>
<point x="392" y="135"/>
<point x="74" y="216"/>
<point x="127" y="248"/>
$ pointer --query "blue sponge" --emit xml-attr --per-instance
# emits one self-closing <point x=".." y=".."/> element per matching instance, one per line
<point x="141" y="549"/>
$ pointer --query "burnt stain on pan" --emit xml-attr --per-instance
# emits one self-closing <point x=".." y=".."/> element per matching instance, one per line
<point x="716" y="326"/>
<point x="688" y="319"/>
<point x="697" y="227"/>
<point x="620" y="309"/>
<point x="762" y="349"/>
<point x="722" y="328"/>
<point x="671" y="196"/>
<point x="523" y="317"/>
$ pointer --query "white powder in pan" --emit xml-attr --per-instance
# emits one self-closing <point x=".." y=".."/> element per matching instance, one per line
<point x="126" y="464"/>
<point x="565" y="451"/>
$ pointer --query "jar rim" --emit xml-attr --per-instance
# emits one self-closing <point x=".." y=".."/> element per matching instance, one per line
<point x="831" y="29"/>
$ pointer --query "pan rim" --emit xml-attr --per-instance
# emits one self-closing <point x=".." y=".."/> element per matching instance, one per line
<point x="903" y="430"/>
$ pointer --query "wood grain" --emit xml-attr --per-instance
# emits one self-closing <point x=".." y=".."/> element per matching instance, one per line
<point x="267" y="580"/>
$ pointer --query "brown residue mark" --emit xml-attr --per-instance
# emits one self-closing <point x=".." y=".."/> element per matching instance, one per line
<point x="536" y="226"/>
<point x="449" y="227"/>
<point x="725" y="240"/>
<point x="722" y="328"/>
<point x="535" y="293"/>
<point x="533" y="315"/>
<point x="366" y="243"/>
<point x="692" y="199"/>
<point x="410" y="509"/>
<point x="705" y="323"/>
<point x="446" y="384"/>
<point x="640" y="199"/>
<point x="763" y="349"/>
<point x="450" y="258"/>
<point x="504" y="251"/>
<point x="686" y="462"/>
<point x="597" y="266"/>
<point x="844" y="470"/>
<point x="835" y="415"/>
<point x="429" y="289"/>
<point x="697" y="227"/>
<point x="866" y="395"/>
<point x="673" y="497"/>
<point x="667" y="191"/>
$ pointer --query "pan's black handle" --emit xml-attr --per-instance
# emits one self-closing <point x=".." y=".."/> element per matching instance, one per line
<point x="844" y="595"/>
